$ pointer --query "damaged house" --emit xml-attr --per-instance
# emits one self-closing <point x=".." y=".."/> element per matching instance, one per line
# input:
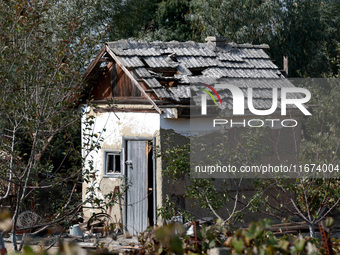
<point x="141" y="91"/>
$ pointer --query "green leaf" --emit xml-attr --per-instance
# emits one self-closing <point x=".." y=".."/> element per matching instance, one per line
<point x="28" y="251"/>
<point x="300" y="244"/>
<point x="212" y="244"/>
<point x="176" y="245"/>
<point x="238" y="244"/>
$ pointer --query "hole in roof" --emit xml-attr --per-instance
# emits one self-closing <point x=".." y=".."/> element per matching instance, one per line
<point x="163" y="72"/>
<point x="169" y="74"/>
<point x="173" y="57"/>
<point x="168" y="83"/>
<point x="196" y="71"/>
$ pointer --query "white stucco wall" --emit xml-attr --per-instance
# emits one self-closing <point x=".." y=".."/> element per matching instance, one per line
<point x="116" y="125"/>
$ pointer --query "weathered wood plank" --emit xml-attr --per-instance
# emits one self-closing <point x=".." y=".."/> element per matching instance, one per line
<point x="136" y="219"/>
<point x="133" y="80"/>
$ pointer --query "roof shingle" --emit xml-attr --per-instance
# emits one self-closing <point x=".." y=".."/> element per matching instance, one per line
<point x="244" y="65"/>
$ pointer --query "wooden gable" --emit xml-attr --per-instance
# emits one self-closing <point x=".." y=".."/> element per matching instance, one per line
<point x="114" y="83"/>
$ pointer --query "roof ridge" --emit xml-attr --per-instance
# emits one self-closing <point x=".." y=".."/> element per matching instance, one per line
<point x="173" y="43"/>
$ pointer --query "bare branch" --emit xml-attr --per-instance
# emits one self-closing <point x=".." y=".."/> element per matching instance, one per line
<point x="212" y="209"/>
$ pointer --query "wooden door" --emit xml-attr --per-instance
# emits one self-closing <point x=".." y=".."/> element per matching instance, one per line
<point x="137" y="194"/>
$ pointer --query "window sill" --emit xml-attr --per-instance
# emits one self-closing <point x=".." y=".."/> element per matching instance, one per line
<point x="113" y="176"/>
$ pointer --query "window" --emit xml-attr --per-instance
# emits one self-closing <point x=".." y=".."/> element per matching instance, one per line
<point x="112" y="164"/>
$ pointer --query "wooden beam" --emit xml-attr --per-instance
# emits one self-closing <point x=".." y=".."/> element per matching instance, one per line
<point x="125" y="100"/>
<point x="133" y="80"/>
<point x="101" y="110"/>
<point x="94" y="62"/>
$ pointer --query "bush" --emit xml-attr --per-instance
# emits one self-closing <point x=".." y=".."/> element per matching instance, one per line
<point x="257" y="239"/>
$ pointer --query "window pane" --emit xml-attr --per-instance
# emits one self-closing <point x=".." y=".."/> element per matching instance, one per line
<point x="110" y="163"/>
<point x="117" y="163"/>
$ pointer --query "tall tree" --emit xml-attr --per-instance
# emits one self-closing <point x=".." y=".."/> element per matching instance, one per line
<point x="42" y="56"/>
<point x="172" y="22"/>
<point x="246" y="21"/>
<point x="308" y="35"/>
<point x="122" y="19"/>
<point x="305" y="31"/>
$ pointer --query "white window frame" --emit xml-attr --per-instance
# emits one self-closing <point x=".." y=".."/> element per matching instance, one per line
<point x="105" y="162"/>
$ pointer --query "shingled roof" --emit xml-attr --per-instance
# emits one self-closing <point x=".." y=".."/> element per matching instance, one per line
<point x="188" y="63"/>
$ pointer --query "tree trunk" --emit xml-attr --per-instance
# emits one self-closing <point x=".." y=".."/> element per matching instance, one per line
<point x="311" y="230"/>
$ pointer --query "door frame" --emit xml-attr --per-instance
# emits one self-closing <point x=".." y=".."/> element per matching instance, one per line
<point x="124" y="159"/>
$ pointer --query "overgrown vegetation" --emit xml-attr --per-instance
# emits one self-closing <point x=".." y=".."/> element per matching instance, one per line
<point x="43" y="52"/>
<point x="222" y="197"/>
<point x="316" y="196"/>
<point x="257" y="239"/>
